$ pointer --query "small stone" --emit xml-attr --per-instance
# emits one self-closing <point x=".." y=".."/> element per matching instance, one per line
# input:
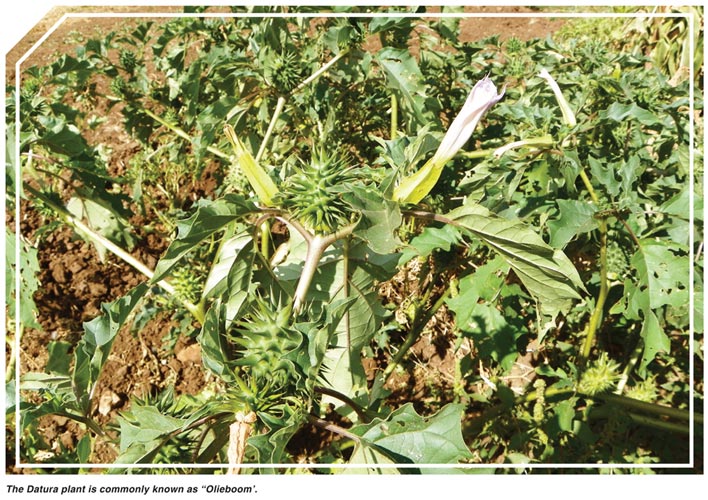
<point x="107" y="402"/>
<point x="190" y="354"/>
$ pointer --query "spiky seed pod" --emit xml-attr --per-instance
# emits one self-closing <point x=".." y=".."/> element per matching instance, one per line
<point x="618" y="260"/>
<point x="119" y="86"/>
<point x="283" y="71"/>
<point x="600" y="376"/>
<point x="643" y="391"/>
<point x="128" y="60"/>
<point x="187" y="284"/>
<point x="265" y="343"/>
<point x="313" y="193"/>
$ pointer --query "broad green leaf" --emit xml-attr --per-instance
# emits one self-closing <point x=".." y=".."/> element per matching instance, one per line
<point x="142" y="431"/>
<point x="212" y="342"/>
<point x="620" y="112"/>
<point x="429" y="240"/>
<point x="210" y="217"/>
<point x="260" y="181"/>
<point x="565" y="412"/>
<point x="477" y="313"/>
<point x="380" y="219"/>
<point x="234" y="254"/>
<point x="59" y="361"/>
<point x="92" y="351"/>
<point x="406" y="437"/>
<point x="343" y="370"/>
<point x="547" y="274"/>
<point x="662" y="272"/>
<point x="29" y="282"/>
<point x="404" y="76"/>
<point x="655" y="340"/>
<point x="576" y="217"/>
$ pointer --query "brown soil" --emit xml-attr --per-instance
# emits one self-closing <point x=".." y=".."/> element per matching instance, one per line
<point x="75" y="282"/>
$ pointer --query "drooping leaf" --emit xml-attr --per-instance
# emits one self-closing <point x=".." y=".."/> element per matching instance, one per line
<point x="429" y="240"/>
<point x="547" y="274"/>
<point x="404" y="76"/>
<point x="576" y="217"/>
<point x="655" y="340"/>
<point x="93" y="349"/>
<point x="212" y="341"/>
<point x="343" y="369"/>
<point x="210" y="217"/>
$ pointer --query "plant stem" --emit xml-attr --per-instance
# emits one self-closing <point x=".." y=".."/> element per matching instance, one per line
<point x="596" y="316"/>
<point x="278" y="109"/>
<point x="184" y="135"/>
<point x="414" y="334"/>
<point x="328" y="426"/>
<point x="82" y="228"/>
<point x="629" y="403"/>
<point x="361" y="413"/>
<point x="316" y="247"/>
<point x="320" y="71"/>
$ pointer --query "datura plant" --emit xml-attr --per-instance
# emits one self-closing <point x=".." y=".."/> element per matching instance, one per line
<point x="331" y="265"/>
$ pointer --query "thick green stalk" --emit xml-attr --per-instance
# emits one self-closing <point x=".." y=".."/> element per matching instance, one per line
<point x="596" y="317"/>
<point x="632" y="405"/>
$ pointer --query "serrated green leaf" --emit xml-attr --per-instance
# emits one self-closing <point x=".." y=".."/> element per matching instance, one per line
<point x="210" y="217"/>
<point x="547" y="274"/>
<point x="92" y="351"/>
<point x="380" y="219"/>
<point x="342" y="366"/>
<point x="655" y="340"/>
<point x="429" y="240"/>
<point x="620" y="112"/>
<point x="662" y="273"/>
<point x="406" y="437"/>
<point x="404" y="76"/>
<point x="576" y="217"/>
<point x="477" y="313"/>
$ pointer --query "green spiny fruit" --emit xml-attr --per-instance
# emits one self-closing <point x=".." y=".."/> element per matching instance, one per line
<point x="186" y="284"/>
<point x="643" y="391"/>
<point x="282" y="71"/>
<point x="119" y="86"/>
<point x="600" y="376"/>
<point x="128" y="60"/>
<point x="618" y="260"/>
<point x="266" y="342"/>
<point x="313" y="193"/>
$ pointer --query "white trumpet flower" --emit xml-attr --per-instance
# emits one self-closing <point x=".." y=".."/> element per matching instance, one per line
<point x="415" y="187"/>
<point x="568" y="115"/>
